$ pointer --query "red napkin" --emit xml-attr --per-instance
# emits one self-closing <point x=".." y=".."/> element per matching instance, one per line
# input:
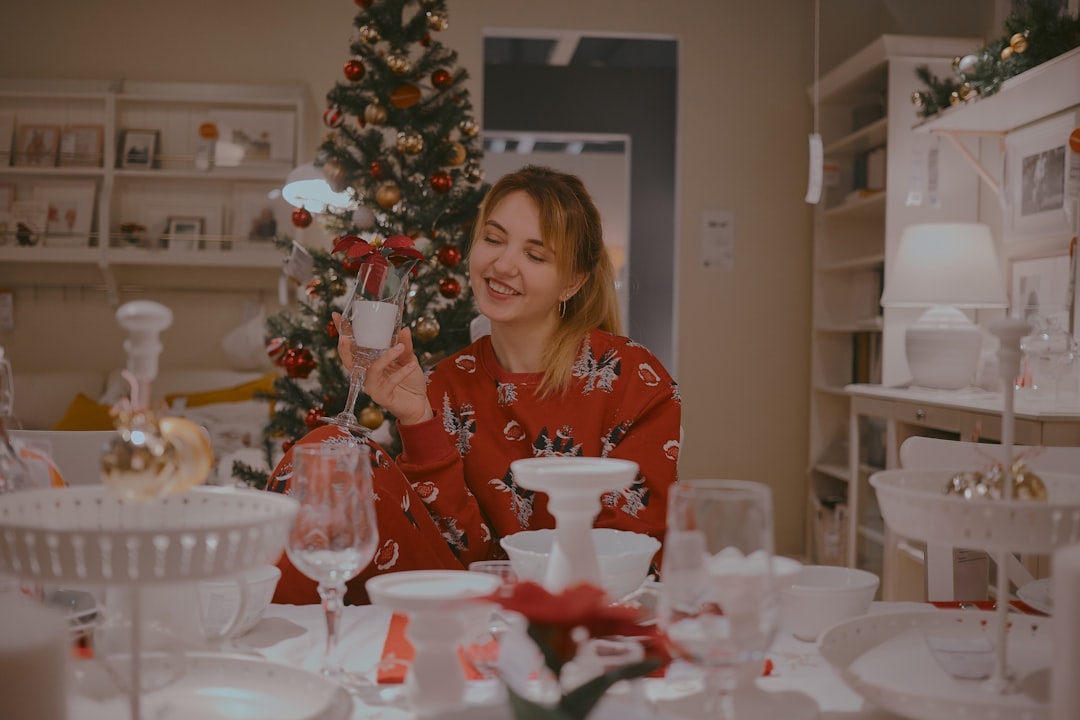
<point x="986" y="605"/>
<point x="398" y="654"/>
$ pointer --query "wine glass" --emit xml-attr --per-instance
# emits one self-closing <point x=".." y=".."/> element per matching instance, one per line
<point x="335" y="534"/>
<point x="487" y="624"/>
<point x="718" y="603"/>
<point x="371" y="318"/>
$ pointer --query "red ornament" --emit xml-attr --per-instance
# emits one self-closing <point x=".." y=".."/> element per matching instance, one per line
<point x="301" y="218"/>
<point x="449" y="255"/>
<point x="286" y="445"/>
<point x="426" y="40"/>
<point x="441" y="78"/>
<point x="449" y="288"/>
<point x="314" y="417"/>
<point x="354" y="70"/>
<point x="275" y="350"/>
<point x="331" y="329"/>
<point x="376" y="169"/>
<point x="363" y="3"/>
<point x="332" y="117"/>
<point x="298" y="362"/>
<point x="441" y="182"/>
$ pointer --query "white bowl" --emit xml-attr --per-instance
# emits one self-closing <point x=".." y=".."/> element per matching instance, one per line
<point x="221" y="597"/>
<point x="624" y="557"/>
<point x="820" y="596"/>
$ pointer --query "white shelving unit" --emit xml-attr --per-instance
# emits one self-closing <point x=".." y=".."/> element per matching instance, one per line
<point x="863" y="105"/>
<point x="174" y="187"/>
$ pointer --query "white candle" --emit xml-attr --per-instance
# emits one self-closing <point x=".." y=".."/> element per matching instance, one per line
<point x="33" y="660"/>
<point x="373" y="323"/>
<point x="1065" y="598"/>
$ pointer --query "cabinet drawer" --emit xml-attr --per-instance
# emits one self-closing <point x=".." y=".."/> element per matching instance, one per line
<point x="968" y="425"/>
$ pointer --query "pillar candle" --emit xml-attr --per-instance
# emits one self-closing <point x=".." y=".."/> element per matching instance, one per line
<point x="373" y="324"/>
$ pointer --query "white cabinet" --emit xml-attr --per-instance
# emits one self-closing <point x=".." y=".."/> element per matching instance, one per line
<point x="866" y="119"/>
<point x="179" y="212"/>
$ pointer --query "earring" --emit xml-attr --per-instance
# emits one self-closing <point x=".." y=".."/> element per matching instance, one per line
<point x="562" y="308"/>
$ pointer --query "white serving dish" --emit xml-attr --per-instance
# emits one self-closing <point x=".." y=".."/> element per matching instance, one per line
<point x="885" y="658"/>
<point x="914" y="504"/>
<point x="90" y="535"/>
<point x="214" y="687"/>
<point x="1037" y="594"/>
<point x="822" y="595"/>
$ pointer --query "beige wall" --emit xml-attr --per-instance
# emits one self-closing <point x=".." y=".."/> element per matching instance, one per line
<point x="743" y="120"/>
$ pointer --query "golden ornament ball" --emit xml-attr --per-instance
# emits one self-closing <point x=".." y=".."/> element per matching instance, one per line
<point x="473" y="172"/>
<point x="388" y="195"/>
<point x="1019" y="42"/>
<point x="398" y="63"/>
<point x="405" y="96"/>
<point x="437" y="21"/>
<point x="468" y="127"/>
<point x="427" y="327"/>
<point x="369" y="34"/>
<point x="965" y="91"/>
<point x="1006" y="52"/>
<point x="917" y="99"/>
<point x="371" y="417"/>
<point x="954" y="98"/>
<point x="956" y="64"/>
<point x="410" y="142"/>
<point x="455" y="154"/>
<point x="375" y="114"/>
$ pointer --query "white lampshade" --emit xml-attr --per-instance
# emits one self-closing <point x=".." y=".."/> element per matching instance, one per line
<point x="944" y="267"/>
<point x="307" y="187"/>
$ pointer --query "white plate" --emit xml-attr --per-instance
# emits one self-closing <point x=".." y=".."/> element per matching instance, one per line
<point x="215" y="687"/>
<point x="1037" y="594"/>
<point x="885" y="658"/>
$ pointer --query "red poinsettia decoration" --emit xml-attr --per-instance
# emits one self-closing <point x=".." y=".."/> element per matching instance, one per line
<point x="376" y="255"/>
<point x="556" y="622"/>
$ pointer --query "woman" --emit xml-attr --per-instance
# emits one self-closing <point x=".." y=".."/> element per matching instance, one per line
<point x="553" y="378"/>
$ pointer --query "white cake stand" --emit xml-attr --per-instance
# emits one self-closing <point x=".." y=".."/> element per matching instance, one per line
<point x="574" y="486"/>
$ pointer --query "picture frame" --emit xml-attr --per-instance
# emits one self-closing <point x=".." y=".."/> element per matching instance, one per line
<point x="1040" y="289"/>
<point x="184" y="232"/>
<point x="253" y="137"/>
<point x="153" y="208"/>
<point x="28" y="218"/>
<point x="36" y="145"/>
<point x="1036" y="169"/>
<point x="138" y="149"/>
<point x="82" y="145"/>
<point x="256" y="218"/>
<point x="70" y="212"/>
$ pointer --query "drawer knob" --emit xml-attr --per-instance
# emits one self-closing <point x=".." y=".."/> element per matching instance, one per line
<point x="920" y="414"/>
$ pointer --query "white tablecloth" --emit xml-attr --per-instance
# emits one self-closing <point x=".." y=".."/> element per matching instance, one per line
<point x="294" y="635"/>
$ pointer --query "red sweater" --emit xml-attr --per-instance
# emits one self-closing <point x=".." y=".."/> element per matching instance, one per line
<point x="621" y="403"/>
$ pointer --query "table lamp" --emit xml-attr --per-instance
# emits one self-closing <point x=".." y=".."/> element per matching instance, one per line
<point x="306" y="186"/>
<point x="944" y="267"/>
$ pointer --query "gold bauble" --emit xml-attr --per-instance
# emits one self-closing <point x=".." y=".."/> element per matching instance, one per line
<point x="468" y="127"/>
<point x="388" y="195"/>
<point x="368" y="34"/>
<point x="1018" y="42"/>
<point x="455" y="154"/>
<point x="1026" y="484"/>
<point x="473" y="172"/>
<point x="437" y="21"/>
<point x="954" y="98"/>
<point x="372" y="417"/>
<point x="967" y="484"/>
<point x="375" y="114"/>
<point x="427" y="327"/>
<point x="149" y="458"/>
<point x="974" y="485"/>
<point x="398" y="63"/>
<point x="966" y="91"/>
<point x="195" y="455"/>
<point x="956" y="64"/>
<point x="917" y="99"/>
<point x="1006" y="52"/>
<point x="410" y="142"/>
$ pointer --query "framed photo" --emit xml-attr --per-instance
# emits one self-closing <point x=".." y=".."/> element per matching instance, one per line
<point x="256" y="217"/>
<point x="138" y="149"/>
<point x="36" y="145"/>
<point x="7" y="136"/>
<point x="246" y="137"/>
<point x="183" y="233"/>
<point x="70" y="212"/>
<point x="82" y="145"/>
<point x="1039" y="289"/>
<point x="29" y="217"/>
<point x="1036" y="168"/>
<point x="154" y="208"/>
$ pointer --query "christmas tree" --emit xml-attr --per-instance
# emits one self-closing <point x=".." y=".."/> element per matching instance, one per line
<point x="1036" y="31"/>
<point x="403" y="144"/>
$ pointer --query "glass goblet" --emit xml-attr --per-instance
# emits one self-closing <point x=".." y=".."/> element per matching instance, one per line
<point x="371" y="319"/>
<point x="487" y="625"/>
<point x="335" y="534"/>
<point x="718" y="603"/>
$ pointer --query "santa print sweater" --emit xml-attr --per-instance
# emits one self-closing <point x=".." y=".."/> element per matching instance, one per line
<point x="621" y="403"/>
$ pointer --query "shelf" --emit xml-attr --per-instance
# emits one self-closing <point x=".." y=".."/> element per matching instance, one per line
<point x="845" y="329"/>
<point x="833" y="470"/>
<point x="1028" y="97"/>
<point x="45" y="254"/>
<point x="861" y="208"/>
<point x="864" y="263"/>
<point x="865" y="138"/>
<point x="256" y="173"/>
<point x="237" y="258"/>
<point x="837" y="390"/>
<point x="60" y="172"/>
<point x="873" y="535"/>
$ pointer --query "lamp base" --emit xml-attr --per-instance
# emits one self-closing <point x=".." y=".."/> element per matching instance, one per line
<point x="943" y="348"/>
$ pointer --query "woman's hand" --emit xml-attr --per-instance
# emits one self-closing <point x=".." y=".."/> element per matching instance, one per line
<point x="395" y="380"/>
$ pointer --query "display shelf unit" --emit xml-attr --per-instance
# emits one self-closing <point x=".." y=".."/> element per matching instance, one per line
<point x="260" y="131"/>
<point x="863" y="105"/>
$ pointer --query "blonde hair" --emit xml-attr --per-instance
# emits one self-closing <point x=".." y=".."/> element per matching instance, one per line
<point x="570" y="226"/>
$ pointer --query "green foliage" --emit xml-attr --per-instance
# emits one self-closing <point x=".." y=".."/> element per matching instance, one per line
<point x="1048" y="31"/>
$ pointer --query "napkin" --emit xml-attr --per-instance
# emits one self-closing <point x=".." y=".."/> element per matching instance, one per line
<point x="398" y="654"/>
<point x="1065" y="596"/>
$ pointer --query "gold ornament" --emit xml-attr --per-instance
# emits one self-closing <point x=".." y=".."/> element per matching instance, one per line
<point x="956" y="64"/>
<point x="375" y="114"/>
<point x="149" y="458"/>
<point x="371" y="417"/>
<point x="954" y="98"/>
<point x="455" y="154"/>
<point x="1006" y="52"/>
<point x="917" y="99"/>
<point x="468" y="127"/>
<point x="398" y="63"/>
<point x="427" y="327"/>
<point x="473" y="172"/>
<point x="437" y="21"/>
<point x="974" y="485"/>
<point x="388" y="195"/>
<point x="1019" y="42"/>
<point x="410" y="142"/>
<point x="368" y="34"/>
<point x="966" y="91"/>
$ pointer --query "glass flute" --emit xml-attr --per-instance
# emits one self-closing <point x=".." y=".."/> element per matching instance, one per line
<point x="335" y="534"/>
<point x="718" y="603"/>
